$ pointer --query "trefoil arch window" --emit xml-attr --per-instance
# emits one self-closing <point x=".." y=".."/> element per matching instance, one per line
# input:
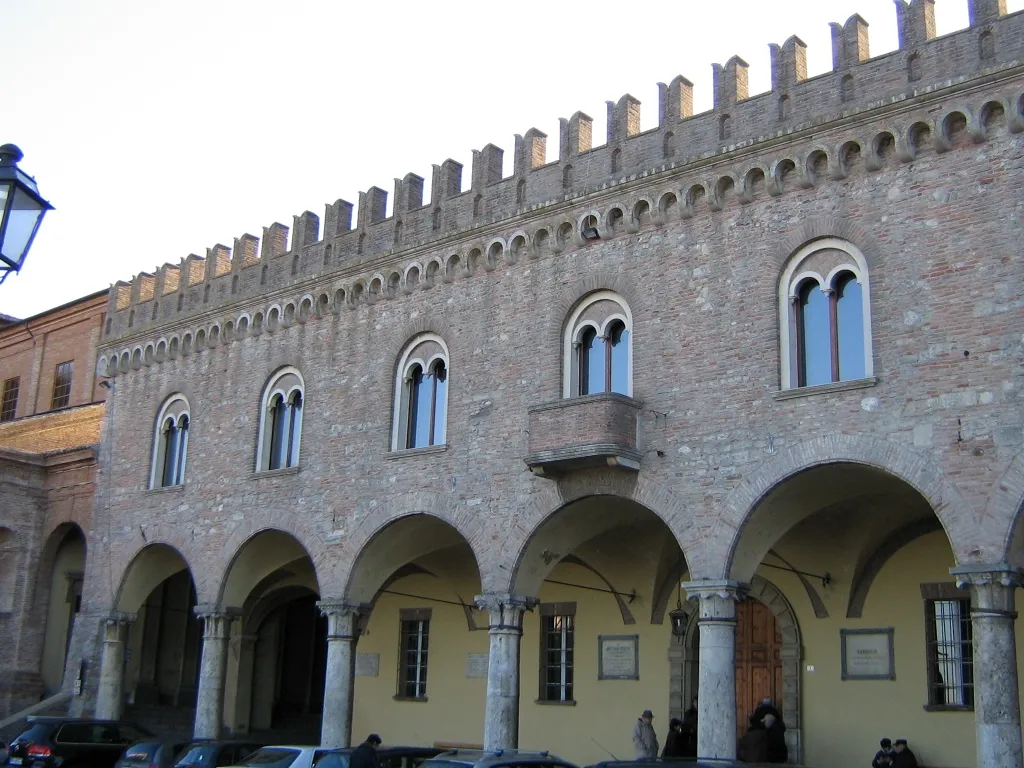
<point x="597" y="347"/>
<point x="170" y="443"/>
<point x="825" y="313"/>
<point x="421" y="394"/>
<point x="280" y="432"/>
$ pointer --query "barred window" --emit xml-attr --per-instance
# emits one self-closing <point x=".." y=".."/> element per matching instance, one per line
<point x="557" y="641"/>
<point x="950" y="653"/>
<point x="9" y="404"/>
<point x="62" y="386"/>
<point x="414" y="644"/>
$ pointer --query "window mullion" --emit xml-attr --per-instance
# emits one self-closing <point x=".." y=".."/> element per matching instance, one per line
<point x="833" y="329"/>
<point x="433" y="406"/>
<point x="607" y="363"/>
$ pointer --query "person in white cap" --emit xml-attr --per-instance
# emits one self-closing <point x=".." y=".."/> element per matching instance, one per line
<point x="645" y="740"/>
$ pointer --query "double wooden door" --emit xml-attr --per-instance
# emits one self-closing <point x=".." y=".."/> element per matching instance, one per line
<point x="758" y="660"/>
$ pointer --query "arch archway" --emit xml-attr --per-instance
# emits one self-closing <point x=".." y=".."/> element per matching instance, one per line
<point x="58" y="598"/>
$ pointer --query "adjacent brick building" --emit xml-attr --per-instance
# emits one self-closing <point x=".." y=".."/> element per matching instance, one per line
<point x="768" y="356"/>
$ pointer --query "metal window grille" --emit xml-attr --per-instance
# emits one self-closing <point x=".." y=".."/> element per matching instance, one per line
<point x="62" y="386"/>
<point x="415" y="642"/>
<point x="556" y="683"/>
<point x="9" y="404"/>
<point x="950" y="653"/>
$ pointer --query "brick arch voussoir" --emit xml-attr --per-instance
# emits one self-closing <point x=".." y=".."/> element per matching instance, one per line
<point x="830" y="226"/>
<point x="304" y="531"/>
<point x="1005" y="507"/>
<point x="418" y="326"/>
<point x="908" y="464"/>
<point x="599" y="281"/>
<point x="553" y="496"/>
<point x="463" y="519"/>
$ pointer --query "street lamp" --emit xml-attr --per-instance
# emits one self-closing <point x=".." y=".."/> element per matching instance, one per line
<point x="21" y="211"/>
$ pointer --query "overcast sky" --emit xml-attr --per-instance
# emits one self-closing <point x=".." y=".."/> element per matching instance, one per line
<point x="159" y="129"/>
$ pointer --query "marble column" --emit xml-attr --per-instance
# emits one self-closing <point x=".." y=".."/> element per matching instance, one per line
<point x="241" y="663"/>
<point x="716" y="689"/>
<point x="996" y="693"/>
<point x="501" y="717"/>
<point x="212" y="670"/>
<point x="110" y="696"/>
<point x="339" y="684"/>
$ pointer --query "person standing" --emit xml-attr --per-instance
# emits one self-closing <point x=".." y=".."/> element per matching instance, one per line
<point x="675" y="742"/>
<point x="884" y="756"/>
<point x="753" y="745"/>
<point x="690" y="728"/>
<point x="645" y="741"/>
<point x="777" y="751"/>
<point x="365" y="755"/>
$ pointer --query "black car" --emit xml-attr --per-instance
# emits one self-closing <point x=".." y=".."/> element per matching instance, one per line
<point x="211" y="754"/>
<point x="387" y="757"/>
<point x="497" y="758"/>
<point x="681" y="762"/>
<point x="149" y="754"/>
<point x="70" y="742"/>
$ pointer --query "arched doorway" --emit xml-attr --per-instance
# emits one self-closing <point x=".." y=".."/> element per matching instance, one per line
<point x="59" y="598"/>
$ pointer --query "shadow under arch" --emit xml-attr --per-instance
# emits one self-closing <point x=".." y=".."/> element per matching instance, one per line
<point x="397" y="544"/>
<point x="150" y="567"/>
<point x="265" y="554"/>
<point x="55" y="540"/>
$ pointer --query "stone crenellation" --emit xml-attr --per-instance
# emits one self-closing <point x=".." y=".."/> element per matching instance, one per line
<point x="361" y="255"/>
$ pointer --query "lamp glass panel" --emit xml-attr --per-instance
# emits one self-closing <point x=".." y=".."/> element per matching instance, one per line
<point x="23" y="217"/>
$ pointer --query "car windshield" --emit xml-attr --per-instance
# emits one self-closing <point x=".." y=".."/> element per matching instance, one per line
<point x="197" y="755"/>
<point x="276" y="757"/>
<point x="36" y="733"/>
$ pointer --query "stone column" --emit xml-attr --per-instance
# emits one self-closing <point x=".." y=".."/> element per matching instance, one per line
<point x="716" y="702"/>
<point x="213" y="666"/>
<point x="241" y="661"/>
<point x="996" y="695"/>
<point x="110" y="697"/>
<point x="501" y="718"/>
<point x="339" y="684"/>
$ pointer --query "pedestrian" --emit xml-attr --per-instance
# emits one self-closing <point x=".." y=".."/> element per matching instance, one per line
<point x="777" y="751"/>
<point x="753" y="745"/>
<point x="675" y="742"/>
<point x="903" y="757"/>
<point x="767" y="708"/>
<point x="645" y="740"/>
<point x="884" y="756"/>
<point x="365" y="755"/>
<point x="690" y="728"/>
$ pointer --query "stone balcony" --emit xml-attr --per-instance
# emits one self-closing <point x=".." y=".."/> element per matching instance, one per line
<point x="579" y="432"/>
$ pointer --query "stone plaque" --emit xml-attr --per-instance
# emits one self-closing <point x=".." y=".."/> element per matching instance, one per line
<point x="476" y="665"/>
<point x="367" y="664"/>
<point x="868" y="654"/>
<point x="618" y="657"/>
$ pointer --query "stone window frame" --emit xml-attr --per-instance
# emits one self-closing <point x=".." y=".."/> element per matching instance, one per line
<point x="176" y="410"/>
<point x="546" y="611"/>
<point x="574" y="329"/>
<point x="930" y="594"/>
<point x="407" y="616"/>
<point x="285" y="382"/>
<point x="63" y="377"/>
<point x="792" y="279"/>
<point x="402" y="398"/>
<point x="9" y="398"/>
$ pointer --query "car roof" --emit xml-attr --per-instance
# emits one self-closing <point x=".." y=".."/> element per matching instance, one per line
<point x="59" y="719"/>
<point x="499" y="756"/>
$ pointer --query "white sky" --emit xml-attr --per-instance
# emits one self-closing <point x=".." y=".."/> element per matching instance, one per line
<point x="159" y="129"/>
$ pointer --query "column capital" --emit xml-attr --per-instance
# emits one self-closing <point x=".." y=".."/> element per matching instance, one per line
<point x="115" y="625"/>
<point x="216" y="620"/>
<point x="723" y="589"/>
<point x="988" y="574"/>
<point x="506" y="610"/>
<point x="119" y="617"/>
<point x="343" y="618"/>
<point x="342" y="607"/>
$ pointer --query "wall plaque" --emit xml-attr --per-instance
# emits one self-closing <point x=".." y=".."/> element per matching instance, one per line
<point x="476" y="665"/>
<point x="367" y="664"/>
<point x="868" y="654"/>
<point x="618" y="657"/>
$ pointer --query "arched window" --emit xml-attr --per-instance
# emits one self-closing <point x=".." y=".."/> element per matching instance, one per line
<point x="598" y="353"/>
<point x="170" y="443"/>
<point x="825" y="309"/>
<point x="280" y="431"/>
<point x="421" y="394"/>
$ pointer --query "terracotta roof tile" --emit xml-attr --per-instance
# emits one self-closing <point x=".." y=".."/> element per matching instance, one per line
<point x="54" y="432"/>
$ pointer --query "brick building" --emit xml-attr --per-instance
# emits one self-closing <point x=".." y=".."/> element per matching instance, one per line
<point x="724" y="409"/>
<point x="51" y="414"/>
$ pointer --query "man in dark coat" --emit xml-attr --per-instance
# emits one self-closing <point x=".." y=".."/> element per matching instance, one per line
<point x="365" y="755"/>
<point x="690" y="728"/>
<point x="902" y="756"/>
<point x="884" y="756"/>
<point x="777" y="750"/>
<point x="767" y="708"/>
<point x="753" y="746"/>
<point x="675" y="742"/>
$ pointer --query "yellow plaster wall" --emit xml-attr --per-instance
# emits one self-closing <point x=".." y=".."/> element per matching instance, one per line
<point x="70" y="558"/>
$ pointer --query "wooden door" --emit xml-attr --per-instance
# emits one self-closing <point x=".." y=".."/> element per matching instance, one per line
<point x="758" y="660"/>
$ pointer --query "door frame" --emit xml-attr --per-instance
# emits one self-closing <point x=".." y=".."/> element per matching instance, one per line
<point x="684" y="659"/>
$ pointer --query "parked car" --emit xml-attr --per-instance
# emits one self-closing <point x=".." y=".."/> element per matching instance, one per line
<point x="48" y="742"/>
<point x="211" y="754"/>
<point x="387" y="757"/>
<point x="498" y="758"/>
<point x="151" y="753"/>
<point x="682" y="762"/>
<point x="288" y="756"/>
